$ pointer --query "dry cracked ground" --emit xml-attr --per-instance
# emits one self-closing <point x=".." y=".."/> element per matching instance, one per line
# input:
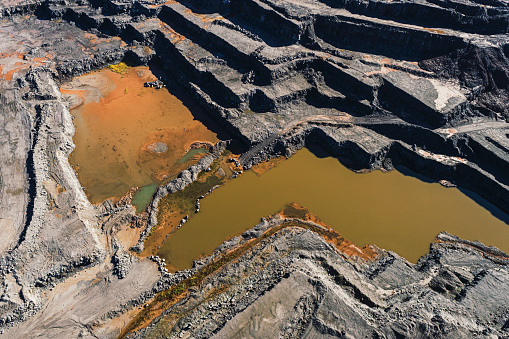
<point x="375" y="83"/>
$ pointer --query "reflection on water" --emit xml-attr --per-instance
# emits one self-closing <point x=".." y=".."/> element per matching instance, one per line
<point x="394" y="211"/>
<point x="118" y="125"/>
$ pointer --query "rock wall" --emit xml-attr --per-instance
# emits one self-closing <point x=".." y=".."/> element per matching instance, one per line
<point x="376" y="83"/>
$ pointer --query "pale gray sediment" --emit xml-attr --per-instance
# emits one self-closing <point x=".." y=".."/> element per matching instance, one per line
<point x="185" y="178"/>
<point x="158" y="147"/>
<point x="421" y="84"/>
<point x="61" y="234"/>
<point x="321" y="292"/>
<point x="51" y="140"/>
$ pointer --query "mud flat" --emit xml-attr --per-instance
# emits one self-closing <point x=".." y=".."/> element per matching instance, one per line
<point x="128" y="135"/>
<point x="423" y="84"/>
<point x="395" y="212"/>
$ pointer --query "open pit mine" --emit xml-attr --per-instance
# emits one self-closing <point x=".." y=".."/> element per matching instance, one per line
<point x="254" y="169"/>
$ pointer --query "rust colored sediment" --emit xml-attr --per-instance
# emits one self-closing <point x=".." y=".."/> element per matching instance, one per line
<point x="263" y="167"/>
<point x="345" y="246"/>
<point x="112" y="134"/>
<point x="163" y="300"/>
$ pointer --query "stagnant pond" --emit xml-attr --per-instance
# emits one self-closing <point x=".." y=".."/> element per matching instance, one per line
<point x="128" y="135"/>
<point x="394" y="211"/>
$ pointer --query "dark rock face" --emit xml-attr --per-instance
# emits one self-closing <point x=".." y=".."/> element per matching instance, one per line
<point x="280" y="75"/>
<point x="482" y="69"/>
<point x="450" y="280"/>
<point x="376" y="83"/>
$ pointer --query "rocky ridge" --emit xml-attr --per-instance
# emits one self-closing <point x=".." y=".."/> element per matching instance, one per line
<point x="184" y="179"/>
<point x="306" y="287"/>
<point x="377" y="84"/>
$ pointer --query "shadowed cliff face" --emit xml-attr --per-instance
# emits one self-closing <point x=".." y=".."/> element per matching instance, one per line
<point x="279" y="75"/>
<point x="398" y="213"/>
<point x="377" y="84"/>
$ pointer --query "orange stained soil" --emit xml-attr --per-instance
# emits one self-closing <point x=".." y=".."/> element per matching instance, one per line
<point x="175" y="37"/>
<point x="116" y="118"/>
<point x="204" y="17"/>
<point x="78" y="93"/>
<point x="263" y="167"/>
<point x="128" y="236"/>
<point x="439" y="31"/>
<point x="9" y="64"/>
<point x="345" y="246"/>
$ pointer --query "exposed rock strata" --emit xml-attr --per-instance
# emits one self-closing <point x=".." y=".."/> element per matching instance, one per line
<point x="267" y="70"/>
<point x="377" y="84"/>
<point x="304" y="287"/>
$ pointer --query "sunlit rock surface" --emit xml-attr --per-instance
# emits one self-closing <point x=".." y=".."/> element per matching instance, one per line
<point x="377" y="84"/>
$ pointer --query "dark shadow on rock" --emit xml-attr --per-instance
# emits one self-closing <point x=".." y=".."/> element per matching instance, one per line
<point x="494" y="210"/>
<point x="320" y="152"/>
<point x="409" y="173"/>
<point x="245" y="17"/>
<point x="196" y="110"/>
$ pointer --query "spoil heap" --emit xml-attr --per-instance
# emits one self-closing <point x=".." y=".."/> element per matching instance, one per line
<point x="420" y="84"/>
<point x="377" y="83"/>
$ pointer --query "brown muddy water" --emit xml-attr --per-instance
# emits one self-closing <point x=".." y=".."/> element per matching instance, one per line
<point x="120" y="126"/>
<point x="391" y="210"/>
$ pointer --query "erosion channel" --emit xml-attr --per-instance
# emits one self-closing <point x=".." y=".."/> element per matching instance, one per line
<point x="395" y="211"/>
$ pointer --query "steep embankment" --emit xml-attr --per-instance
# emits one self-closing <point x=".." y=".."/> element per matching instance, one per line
<point x="378" y="83"/>
<point x="306" y="281"/>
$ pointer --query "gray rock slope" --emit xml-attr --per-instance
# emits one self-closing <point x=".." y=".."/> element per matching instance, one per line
<point x="376" y="83"/>
<point x="295" y="284"/>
